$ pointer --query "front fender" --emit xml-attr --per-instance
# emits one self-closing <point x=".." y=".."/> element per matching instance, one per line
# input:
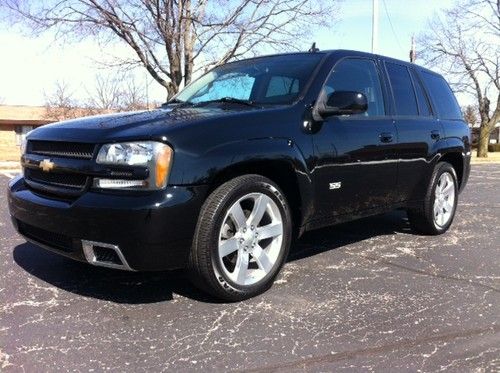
<point x="278" y="153"/>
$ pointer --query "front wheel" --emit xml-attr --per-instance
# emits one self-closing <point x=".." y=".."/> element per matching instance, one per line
<point x="438" y="209"/>
<point x="242" y="238"/>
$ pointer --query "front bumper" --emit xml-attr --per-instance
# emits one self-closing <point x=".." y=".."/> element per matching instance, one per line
<point x="154" y="231"/>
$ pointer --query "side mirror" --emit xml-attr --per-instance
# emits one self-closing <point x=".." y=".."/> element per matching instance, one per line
<point x="344" y="103"/>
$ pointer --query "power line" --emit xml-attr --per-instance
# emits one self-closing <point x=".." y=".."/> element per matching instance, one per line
<point x="392" y="27"/>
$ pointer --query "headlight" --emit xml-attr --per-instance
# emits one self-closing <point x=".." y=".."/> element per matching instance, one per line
<point x="156" y="156"/>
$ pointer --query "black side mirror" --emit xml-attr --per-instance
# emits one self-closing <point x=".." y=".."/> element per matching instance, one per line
<point x="344" y="103"/>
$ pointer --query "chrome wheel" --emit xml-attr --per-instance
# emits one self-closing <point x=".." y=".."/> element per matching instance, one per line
<point x="444" y="200"/>
<point x="250" y="239"/>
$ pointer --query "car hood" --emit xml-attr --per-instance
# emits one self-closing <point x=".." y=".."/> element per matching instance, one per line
<point x="128" y="125"/>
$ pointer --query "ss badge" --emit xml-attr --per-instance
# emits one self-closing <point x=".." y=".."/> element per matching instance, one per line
<point x="335" y="185"/>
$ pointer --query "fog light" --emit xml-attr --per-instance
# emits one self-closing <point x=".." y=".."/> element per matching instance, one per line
<point x="118" y="184"/>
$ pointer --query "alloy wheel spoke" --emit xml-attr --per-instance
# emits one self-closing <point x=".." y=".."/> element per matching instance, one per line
<point x="238" y="215"/>
<point x="442" y="218"/>
<point x="447" y="206"/>
<point x="241" y="267"/>
<point x="270" y="230"/>
<point x="447" y="188"/>
<point x="259" y="209"/>
<point x="228" y="246"/>
<point x="437" y="208"/>
<point x="262" y="259"/>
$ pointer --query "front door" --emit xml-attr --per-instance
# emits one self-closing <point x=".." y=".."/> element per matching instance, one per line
<point x="356" y="158"/>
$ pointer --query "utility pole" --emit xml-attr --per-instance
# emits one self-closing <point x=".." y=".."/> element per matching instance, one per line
<point x="413" y="52"/>
<point x="375" y="26"/>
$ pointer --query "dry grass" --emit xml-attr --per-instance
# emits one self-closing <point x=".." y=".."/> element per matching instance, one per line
<point x="8" y="149"/>
<point x="492" y="158"/>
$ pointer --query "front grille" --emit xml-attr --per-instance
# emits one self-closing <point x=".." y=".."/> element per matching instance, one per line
<point x="51" y="239"/>
<point x="61" y="149"/>
<point x="74" y="181"/>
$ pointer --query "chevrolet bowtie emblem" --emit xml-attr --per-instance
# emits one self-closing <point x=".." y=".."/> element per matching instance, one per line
<point x="46" y="165"/>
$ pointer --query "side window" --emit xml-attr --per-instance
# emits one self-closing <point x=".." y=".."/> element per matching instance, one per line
<point x="282" y="86"/>
<point x="230" y="85"/>
<point x="359" y="75"/>
<point x="402" y="89"/>
<point x="424" y="107"/>
<point x="442" y="95"/>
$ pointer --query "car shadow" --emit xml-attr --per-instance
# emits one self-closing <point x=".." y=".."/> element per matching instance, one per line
<point x="151" y="287"/>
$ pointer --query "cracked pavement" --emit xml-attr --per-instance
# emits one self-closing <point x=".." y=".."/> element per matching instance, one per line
<point x="363" y="296"/>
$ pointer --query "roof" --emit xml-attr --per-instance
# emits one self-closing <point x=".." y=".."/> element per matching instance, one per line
<point x="23" y="115"/>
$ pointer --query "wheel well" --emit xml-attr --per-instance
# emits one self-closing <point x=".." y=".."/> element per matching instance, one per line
<point x="456" y="160"/>
<point x="279" y="172"/>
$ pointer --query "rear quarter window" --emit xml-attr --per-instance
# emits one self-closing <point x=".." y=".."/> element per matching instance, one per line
<point x="442" y="96"/>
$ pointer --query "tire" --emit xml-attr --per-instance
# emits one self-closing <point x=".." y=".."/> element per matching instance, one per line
<point x="439" y="206"/>
<point x="228" y="258"/>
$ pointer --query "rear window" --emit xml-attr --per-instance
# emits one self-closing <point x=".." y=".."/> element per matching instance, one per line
<point x="446" y="103"/>
<point x="402" y="88"/>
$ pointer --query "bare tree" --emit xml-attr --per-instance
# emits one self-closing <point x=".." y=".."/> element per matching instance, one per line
<point x="465" y="44"/>
<point x="106" y="93"/>
<point x="170" y="37"/>
<point x="134" y="96"/>
<point x="470" y="115"/>
<point x="60" y="104"/>
<point x="115" y="92"/>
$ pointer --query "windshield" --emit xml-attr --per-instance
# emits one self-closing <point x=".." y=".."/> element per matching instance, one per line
<point x="265" y="80"/>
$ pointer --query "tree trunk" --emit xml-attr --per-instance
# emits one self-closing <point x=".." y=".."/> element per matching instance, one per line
<point x="484" y="139"/>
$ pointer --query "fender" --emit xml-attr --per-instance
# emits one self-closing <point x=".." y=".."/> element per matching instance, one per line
<point x="248" y="156"/>
<point x="451" y="150"/>
<point x="457" y="152"/>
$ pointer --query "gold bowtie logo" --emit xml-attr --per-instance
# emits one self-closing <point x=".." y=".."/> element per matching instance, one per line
<point x="46" y="165"/>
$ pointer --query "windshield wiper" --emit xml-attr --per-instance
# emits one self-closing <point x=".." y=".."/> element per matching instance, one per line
<point x="231" y="100"/>
<point x="178" y="103"/>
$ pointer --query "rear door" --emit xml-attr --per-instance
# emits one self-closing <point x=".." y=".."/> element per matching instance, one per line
<point x="418" y="129"/>
<point x="356" y="164"/>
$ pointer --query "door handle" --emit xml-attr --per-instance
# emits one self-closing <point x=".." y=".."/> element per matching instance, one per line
<point x="435" y="135"/>
<point x="386" y="137"/>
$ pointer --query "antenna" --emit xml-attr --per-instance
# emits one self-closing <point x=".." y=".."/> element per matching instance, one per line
<point x="375" y="26"/>
<point x="313" y="48"/>
<point x="413" y="52"/>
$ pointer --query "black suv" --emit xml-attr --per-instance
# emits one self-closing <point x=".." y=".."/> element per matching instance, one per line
<point x="255" y="152"/>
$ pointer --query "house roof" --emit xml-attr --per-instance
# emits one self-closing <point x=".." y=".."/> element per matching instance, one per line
<point x="16" y="115"/>
<point x="22" y="115"/>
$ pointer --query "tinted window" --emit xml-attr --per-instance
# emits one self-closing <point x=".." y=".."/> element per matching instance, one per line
<point x="233" y="85"/>
<point x="446" y="104"/>
<point x="281" y="86"/>
<point x="402" y="88"/>
<point x="424" y="108"/>
<point x="359" y="75"/>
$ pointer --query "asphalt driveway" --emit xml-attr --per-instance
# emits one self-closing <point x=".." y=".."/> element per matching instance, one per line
<point x="362" y="296"/>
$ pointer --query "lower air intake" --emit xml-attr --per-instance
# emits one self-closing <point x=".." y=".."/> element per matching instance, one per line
<point x="104" y="255"/>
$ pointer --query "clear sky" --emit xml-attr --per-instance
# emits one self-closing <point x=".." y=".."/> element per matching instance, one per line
<point x="30" y="66"/>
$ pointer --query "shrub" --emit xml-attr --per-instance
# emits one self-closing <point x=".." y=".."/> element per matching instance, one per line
<point x="494" y="147"/>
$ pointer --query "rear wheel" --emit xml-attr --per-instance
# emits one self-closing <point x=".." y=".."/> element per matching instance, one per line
<point x="242" y="238"/>
<point x="438" y="209"/>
